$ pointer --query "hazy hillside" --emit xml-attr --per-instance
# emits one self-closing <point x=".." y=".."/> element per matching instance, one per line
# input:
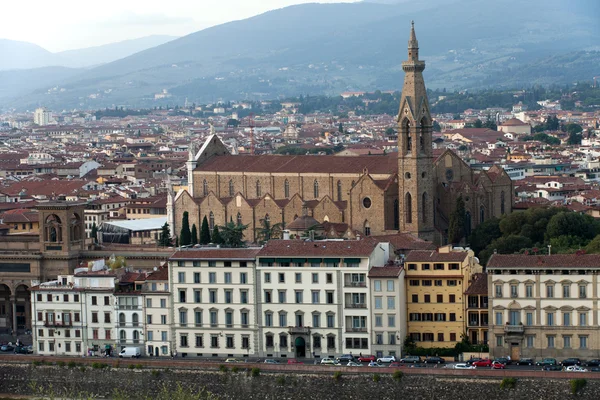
<point x="16" y="55"/>
<point x="329" y="48"/>
<point x="111" y="52"/>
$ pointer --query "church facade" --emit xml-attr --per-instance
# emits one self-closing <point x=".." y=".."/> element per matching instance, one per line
<point x="406" y="192"/>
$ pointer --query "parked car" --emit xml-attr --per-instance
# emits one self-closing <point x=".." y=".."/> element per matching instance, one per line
<point x="294" y="361"/>
<point x="328" y="361"/>
<point x="354" y="364"/>
<point x="232" y="360"/>
<point x="396" y="364"/>
<point x="463" y="366"/>
<point x="483" y="363"/>
<point x="567" y="362"/>
<point x="345" y="358"/>
<point x="595" y="362"/>
<point x="472" y="360"/>
<point x="375" y="364"/>
<point x="546" y="361"/>
<point x="551" y="367"/>
<point x="271" y="361"/>
<point x="411" y="359"/>
<point x="367" y="358"/>
<point x="498" y="365"/>
<point x="386" y="359"/>
<point x="503" y="360"/>
<point x="434" y="360"/>
<point x="23" y="350"/>
<point x="576" y="368"/>
<point x="525" y="361"/>
<point x="7" y="347"/>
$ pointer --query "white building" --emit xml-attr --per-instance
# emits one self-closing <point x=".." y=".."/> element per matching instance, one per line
<point x="157" y="313"/>
<point x="42" y="116"/>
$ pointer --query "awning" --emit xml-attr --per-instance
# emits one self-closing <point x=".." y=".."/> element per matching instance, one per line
<point x="352" y="260"/>
<point x="266" y="260"/>
<point x="331" y="260"/>
<point x="298" y="260"/>
<point x="282" y="260"/>
<point x="314" y="260"/>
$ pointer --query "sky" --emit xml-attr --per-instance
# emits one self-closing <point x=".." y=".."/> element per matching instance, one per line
<point x="59" y="25"/>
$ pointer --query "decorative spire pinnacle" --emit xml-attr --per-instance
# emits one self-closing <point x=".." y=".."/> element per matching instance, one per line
<point x="413" y="43"/>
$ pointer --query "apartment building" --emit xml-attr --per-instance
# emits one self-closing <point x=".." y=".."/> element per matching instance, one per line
<point x="313" y="297"/>
<point x="157" y="313"/>
<point x="129" y="309"/>
<point x="435" y="300"/>
<point x="73" y="315"/>
<point x="388" y="309"/>
<point x="477" y="316"/>
<point x="544" y="305"/>
<point x="213" y="304"/>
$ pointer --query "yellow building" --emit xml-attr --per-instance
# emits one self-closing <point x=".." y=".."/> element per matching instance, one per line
<point x="21" y="221"/>
<point x="435" y="285"/>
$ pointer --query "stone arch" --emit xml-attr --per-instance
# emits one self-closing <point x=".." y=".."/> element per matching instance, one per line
<point x="75" y="227"/>
<point x="316" y="189"/>
<point x="367" y="228"/>
<point x="121" y="319"/>
<point x="53" y="228"/>
<point x="286" y="189"/>
<point x="258" y="189"/>
<point x="424" y="207"/>
<point x="502" y="202"/>
<point x="396" y="214"/>
<point x="211" y="221"/>
<point x="408" y="207"/>
<point x="205" y="188"/>
<point x="238" y="218"/>
<point x="423" y="134"/>
<point x="231" y="188"/>
<point x="406" y="136"/>
<point x="339" y="190"/>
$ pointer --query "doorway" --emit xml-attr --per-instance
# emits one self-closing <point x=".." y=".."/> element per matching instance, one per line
<point x="300" y="347"/>
<point x="515" y="351"/>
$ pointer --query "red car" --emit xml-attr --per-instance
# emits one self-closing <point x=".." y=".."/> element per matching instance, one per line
<point x="483" y="363"/>
<point x="367" y="358"/>
<point x="294" y="361"/>
<point x="498" y="365"/>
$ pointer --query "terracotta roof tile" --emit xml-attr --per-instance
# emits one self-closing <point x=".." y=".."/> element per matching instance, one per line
<point x="479" y="284"/>
<point x="434" y="256"/>
<point x="216" y="254"/>
<point x="319" y="248"/>
<point x="385" y="272"/>
<point x="537" y="261"/>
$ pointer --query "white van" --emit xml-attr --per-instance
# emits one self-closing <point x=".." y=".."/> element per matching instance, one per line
<point x="130" y="352"/>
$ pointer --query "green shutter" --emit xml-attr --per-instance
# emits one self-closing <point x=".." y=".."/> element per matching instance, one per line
<point x="298" y="260"/>
<point x="352" y="260"/>
<point x="282" y="260"/>
<point x="331" y="260"/>
<point x="314" y="260"/>
<point x="265" y="260"/>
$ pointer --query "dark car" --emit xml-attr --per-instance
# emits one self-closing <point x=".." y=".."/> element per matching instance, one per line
<point x="547" y="361"/>
<point x="525" y="361"/>
<point x="434" y="360"/>
<point x="345" y="358"/>
<point x="567" y="362"/>
<point x="503" y="360"/>
<point x="411" y="360"/>
<point x="23" y="350"/>
<point x="593" y="363"/>
<point x="551" y="368"/>
<point x="472" y="360"/>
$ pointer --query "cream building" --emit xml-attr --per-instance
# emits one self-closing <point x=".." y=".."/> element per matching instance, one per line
<point x="158" y="318"/>
<point x="544" y="306"/>
<point x="213" y="304"/>
<point x="73" y="315"/>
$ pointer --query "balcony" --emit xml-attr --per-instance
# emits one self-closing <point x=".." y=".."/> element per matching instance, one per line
<point x="356" y="305"/>
<point x="57" y="323"/>
<point x="518" y="329"/>
<point x="356" y="329"/>
<point x="355" y="284"/>
<point x="299" y="330"/>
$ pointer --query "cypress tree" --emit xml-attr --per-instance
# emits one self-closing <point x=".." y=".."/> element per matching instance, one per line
<point x="204" y="232"/>
<point x="194" y="234"/>
<point x="216" y="236"/>
<point x="165" y="236"/>
<point x="185" y="237"/>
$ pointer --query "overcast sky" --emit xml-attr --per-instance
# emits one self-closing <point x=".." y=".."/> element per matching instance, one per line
<point x="69" y="24"/>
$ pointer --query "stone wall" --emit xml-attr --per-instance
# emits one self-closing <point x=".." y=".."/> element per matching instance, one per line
<point x="19" y="379"/>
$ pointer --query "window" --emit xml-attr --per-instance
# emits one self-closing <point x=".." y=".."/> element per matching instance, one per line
<point x="268" y="319"/>
<point x="452" y="298"/>
<point x="377" y="285"/>
<point x="329" y="278"/>
<point x="331" y="342"/>
<point x="199" y="341"/>
<point x="316" y="320"/>
<point x="454" y="267"/>
<point x="567" y="342"/>
<point x="229" y="319"/>
<point x="428" y="337"/>
<point x="583" y="342"/>
<point x="205" y="188"/>
<point x="281" y="296"/>
<point x="183" y="318"/>
<point x="243" y="277"/>
<point x="514" y="292"/>
<point x="412" y="267"/>
<point x="182" y="296"/>
<point x="330" y="320"/>
<point x="414" y="317"/>
<point x="316" y="189"/>
<point x="315" y="296"/>
<point x="94" y="300"/>
<point x="268" y="295"/>
<point x="498" y="318"/>
<point x="329" y="297"/>
<point x="212" y="277"/>
<point x="214" y="341"/>
<point x="551" y="342"/>
<point x="529" y="341"/>
<point x="415" y="298"/>
<point x="425" y="267"/>
<point x="378" y="321"/>
<point x="181" y="277"/>
<point x="378" y="303"/>
<point x="244" y="296"/>
<point x="582" y="292"/>
<point x="258" y="189"/>
<point x="281" y="277"/>
<point x="315" y="278"/>
<point x="95" y="317"/>
<point x="267" y="277"/>
<point x="244" y="318"/>
<point x="212" y="296"/>
<point x="163" y="303"/>
<point x="391" y="303"/>
<point x="440" y="337"/>
<point x="197" y="296"/>
<point x="390" y="286"/>
<point x="452" y="282"/>
<point x="582" y="319"/>
<point x="550" y="291"/>
<point x="529" y="291"/>
<point x="412" y="282"/>
<point x="452" y="337"/>
<point x="391" y="321"/>
<point x="228" y="296"/>
<point x="286" y="189"/>
<point x="426" y="282"/>
<point x="198" y="318"/>
<point x="438" y="267"/>
<point x="438" y="282"/>
<point x="498" y="291"/>
<point x="550" y="319"/>
<point x="107" y="317"/>
<point x="566" y="318"/>
<point x="529" y="319"/>
<point x="379" y="338"/>
<point x="283" y="319"/>
<point x="440" y="317"/>
<point x="298" y="277"/>
<point x="231" y="188"/>
<point x="499" y="340"/>
<point x="440" y="298"/>
<point x="427" y="298"/>
<point x="566" y="291"/>
<point x="214" y="318"/>
<point x="227" y="277"/>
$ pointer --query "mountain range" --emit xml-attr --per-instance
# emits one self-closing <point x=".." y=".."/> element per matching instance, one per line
<point x="331" y="48"/>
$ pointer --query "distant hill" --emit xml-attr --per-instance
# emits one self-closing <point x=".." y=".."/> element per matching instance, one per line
<point x="97" y="55"/>
<point x="18" y="55"/>
<point x="330" y="48"/>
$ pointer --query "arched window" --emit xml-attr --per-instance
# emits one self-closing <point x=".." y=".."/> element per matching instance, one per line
<point x="75" y="227"/>
<point x="422" y="134"/>
<point x="231" y="188"/>
<point x="502" y="202"/>
<point x="238" y="219"/>
<point x="135" y="319"/>
<point x="407" y="135"/>
<point x="136" y="336"/>
<point x="481" y="214"/>
<point x="211" y="221"/>
<point x="367" y="229"/>
<point x="467" y="223"/>
<point x="339" y="190"/>
<point x="205" y="188"/>
<point x="396" y="214"/>
<point x="286" y="189"/>
<point x="258" y="189"/>
<point x="122" y="319"/>
<point x="53" y="229"/>
<point x="267" y="219"/>
<point x="316" y="189"/>
<point x="123" y="335"/>
<point x="408" y="207"/>
<point x="424" y="207"/>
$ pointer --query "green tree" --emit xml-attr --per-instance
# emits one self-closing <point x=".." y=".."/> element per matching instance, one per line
<point x="390" y="131"/>
<point x="484" y="234"/>
<point x="478" y="123"/>
<point x="194" y="234"/>
<point x="436" y="126"/>
<point x="185" y="236"/>
<point x="574" y="138"/>
<point x="233" y="122"/>
<point x="216" y="236"/>
<point x="204" y="232"/>
<point x="268" y="231"/>
<point x="593" y="246"/>
<point x="164" y="239"/>
<point x="573" y="128"/>
<point x="456" y="225"/>
<point x="94" y="233"/>
<point x="572" y="224"/>
<point x="341" y="128"/>
<point x="233" y="234"/>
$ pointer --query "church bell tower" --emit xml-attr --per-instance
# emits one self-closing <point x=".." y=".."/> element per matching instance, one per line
<point x="415" y="158"/>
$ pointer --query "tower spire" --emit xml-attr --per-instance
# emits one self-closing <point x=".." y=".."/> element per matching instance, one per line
<point x="413" y="44"/>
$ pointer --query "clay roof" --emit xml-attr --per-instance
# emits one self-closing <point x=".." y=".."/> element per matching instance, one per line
<point x="479" y="284"/>
<point x="385" y="272"/>
<point x="405" y="241"/>
<point x="434" y="256"/>
<point x="517" y="261"/>
<point x="319" y="248"/>
<point x="302" y="223"/>
<point x="302" y="164"/>
<point x="161" y="274"/>
<point x="216" y="254"/>
<point x="513" y="122"/>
